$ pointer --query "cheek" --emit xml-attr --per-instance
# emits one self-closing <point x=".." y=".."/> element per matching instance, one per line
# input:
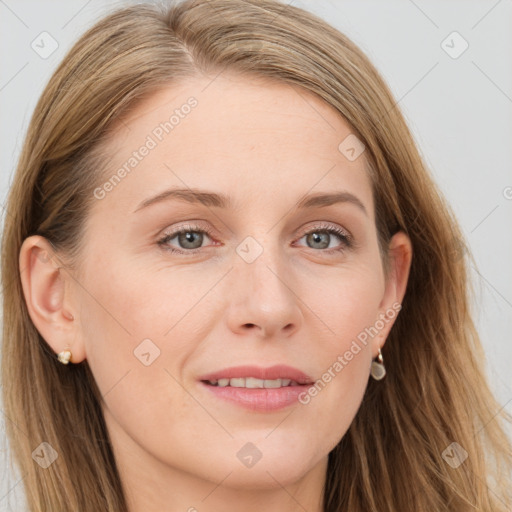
<point x="141" y="325"/>
<point x="126" y="304"/>
<point x="125" y="316"/>
<point x="136" y="344"/>
<point x="345" y="302"/>
<point x="348" y="310"/>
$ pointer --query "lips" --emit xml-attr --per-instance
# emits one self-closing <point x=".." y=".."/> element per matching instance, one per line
<point x="257" y="389"/>
<point x="257" y="372"/>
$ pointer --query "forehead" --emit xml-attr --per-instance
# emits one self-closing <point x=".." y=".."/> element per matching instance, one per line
<point x="257" y="139"/>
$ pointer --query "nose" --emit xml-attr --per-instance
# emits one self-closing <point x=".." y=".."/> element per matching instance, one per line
<point x="262" y="300"/>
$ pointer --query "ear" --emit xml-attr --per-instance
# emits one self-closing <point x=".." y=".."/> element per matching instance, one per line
<point x="47" y="287"/>
<point x="400" y="257"/>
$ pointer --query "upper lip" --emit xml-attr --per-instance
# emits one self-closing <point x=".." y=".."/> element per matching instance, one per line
<point x="280" y="371"/>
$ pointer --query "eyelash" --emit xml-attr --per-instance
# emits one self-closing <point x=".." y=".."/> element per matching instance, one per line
<point x="346" y="238"/>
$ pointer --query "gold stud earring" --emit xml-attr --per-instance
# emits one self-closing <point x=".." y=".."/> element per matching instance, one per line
<point x="64" y="356"/>
<point x="378" y="371"/>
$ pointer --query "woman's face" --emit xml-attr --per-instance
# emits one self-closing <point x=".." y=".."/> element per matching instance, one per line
<point x="259" y="280"/>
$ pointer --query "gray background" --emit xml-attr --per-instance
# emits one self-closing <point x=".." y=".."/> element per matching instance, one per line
<point x="459" y="109"/>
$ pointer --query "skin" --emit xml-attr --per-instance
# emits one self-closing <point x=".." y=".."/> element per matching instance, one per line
<point x="265" y="146"/>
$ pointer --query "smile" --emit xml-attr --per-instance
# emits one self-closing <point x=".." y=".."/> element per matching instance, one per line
<point x="253" y="383"/>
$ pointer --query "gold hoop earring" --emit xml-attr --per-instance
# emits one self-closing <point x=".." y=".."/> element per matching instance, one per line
<point x="378" y="370"/>
<point x="64" y="357"/>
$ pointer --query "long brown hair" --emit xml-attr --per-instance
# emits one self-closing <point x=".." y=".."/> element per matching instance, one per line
<point x="393" y="457"/>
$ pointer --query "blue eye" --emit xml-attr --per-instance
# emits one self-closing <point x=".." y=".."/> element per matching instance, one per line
<point x="188" y="236"/>
<point x="322" y="235"/>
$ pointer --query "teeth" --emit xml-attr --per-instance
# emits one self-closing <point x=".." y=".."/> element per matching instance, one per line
<point x="253" y="383"/>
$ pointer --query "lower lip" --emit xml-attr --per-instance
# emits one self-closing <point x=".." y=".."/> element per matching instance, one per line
<point x="260" y="399"/>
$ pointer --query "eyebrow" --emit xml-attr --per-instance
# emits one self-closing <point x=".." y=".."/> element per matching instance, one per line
<point x="212" y="199"/>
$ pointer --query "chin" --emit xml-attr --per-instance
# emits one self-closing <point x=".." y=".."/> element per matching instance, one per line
<point x="262" y="477"/>
<point x="273" y="470"/>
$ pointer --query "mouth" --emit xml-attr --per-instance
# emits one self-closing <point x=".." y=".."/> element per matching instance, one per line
<point x="257" y="377"/>
<point x="257" y="388"/>
<point x="254" y="383"/>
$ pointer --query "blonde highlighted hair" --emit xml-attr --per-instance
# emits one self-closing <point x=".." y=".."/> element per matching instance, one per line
<point x="435" y="392"/>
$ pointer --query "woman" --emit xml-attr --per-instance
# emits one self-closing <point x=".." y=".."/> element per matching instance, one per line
<point x="174" y="337"/>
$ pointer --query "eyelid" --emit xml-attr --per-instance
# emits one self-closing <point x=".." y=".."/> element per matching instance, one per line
<point x="327" y="227"/>
<point x="188" y="226"/>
